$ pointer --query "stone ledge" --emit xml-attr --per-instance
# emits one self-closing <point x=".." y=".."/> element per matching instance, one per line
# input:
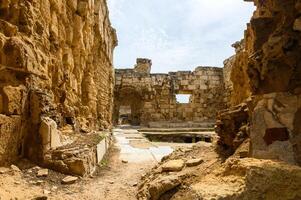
<point x="81" y="157"/>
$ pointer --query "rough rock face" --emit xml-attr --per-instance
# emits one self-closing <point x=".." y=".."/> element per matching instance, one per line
<point x="55" y="63"/>
<point x="276" y="131"/>
<point x="152" y="97"/>
<point x="267" y="66"/>
<point x="238" y="75"/>
<point x="274" y="63"/>
<point x="232" y="127"/>
<point x="235" y="178"/>
<point x="248" y="178"/>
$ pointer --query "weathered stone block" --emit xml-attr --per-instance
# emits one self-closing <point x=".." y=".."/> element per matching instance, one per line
<point x="82" y="8"/>
<point x="173" y="165"/>
<point x="101" y="150"/>
<point x="273" y="129"/>
<point x="13" y="97"/>
<point x="49" y="134"/>
<point x="10" y="138"/>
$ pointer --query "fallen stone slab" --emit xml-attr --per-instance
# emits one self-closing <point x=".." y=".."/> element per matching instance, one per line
<point x="173" y="165"/>
<point x="194" y="162"/>
<point x="69" y="180"/>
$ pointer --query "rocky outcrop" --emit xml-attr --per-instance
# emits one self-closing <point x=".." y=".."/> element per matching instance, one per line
<point x="55" y="70"/>
<point x="274" y="62"/>
<point x="247" y="179"/>
<point x="267" y="66"/>
<point x="232" y="127"/>
<point x="238" y="75"/>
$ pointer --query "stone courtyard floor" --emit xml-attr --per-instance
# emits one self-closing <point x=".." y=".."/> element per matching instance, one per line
<point x="131" y="157"/>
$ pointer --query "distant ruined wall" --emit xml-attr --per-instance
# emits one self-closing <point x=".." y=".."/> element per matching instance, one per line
<point x="153" y="96"/>
<point x="266" y="75"/>
<point x="55" y="62"/>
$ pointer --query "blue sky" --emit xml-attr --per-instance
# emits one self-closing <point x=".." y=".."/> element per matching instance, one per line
<point x="177" y="34"/>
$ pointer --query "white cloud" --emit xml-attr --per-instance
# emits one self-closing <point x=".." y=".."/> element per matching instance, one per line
<point x="177" y="34"/>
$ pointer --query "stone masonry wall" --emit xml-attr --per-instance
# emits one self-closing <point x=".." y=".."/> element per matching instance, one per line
<point x="55" y="62"/>
<point x="153" y="96"/>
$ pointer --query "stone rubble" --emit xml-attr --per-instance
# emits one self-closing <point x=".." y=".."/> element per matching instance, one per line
<point x="42" y="173"/>
<point x="173" y="165"/>
<point x="69" y="180"/>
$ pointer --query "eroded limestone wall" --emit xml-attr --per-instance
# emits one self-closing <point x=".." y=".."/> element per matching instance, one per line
<point x="153" y="96"/>
<point x="266" y="75"/>
<point x="56" y="62"/>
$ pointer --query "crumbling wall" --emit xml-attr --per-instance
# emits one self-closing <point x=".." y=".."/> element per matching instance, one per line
<point x="155" y="94"/>
<point x="55" y="62"/>
<point x="267" y="67"/>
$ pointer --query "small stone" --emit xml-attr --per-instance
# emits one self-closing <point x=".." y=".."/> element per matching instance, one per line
<point x="42" y="173"/>
<point x="46" y="192"/>
<point x="15" y="168"/>
<point x="194" y="162"/>
<point x="111" y="182"/>
<point x="124" y="161"/>
<point x="69" y="180"/>
<point x="173" y="165"/>
<point x="134" y="184"/>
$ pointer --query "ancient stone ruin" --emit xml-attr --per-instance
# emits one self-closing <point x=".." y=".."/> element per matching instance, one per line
<point x="151" y="98"/>
<point x="56" y="77"/>
<point x="65" y="110"/>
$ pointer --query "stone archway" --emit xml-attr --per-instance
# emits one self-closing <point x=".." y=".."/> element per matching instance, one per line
<point x="131" y="99"/>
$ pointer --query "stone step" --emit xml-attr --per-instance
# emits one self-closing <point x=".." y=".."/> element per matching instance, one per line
<point x="182" y="130"/>
<point x="188" y="134"/>
<point x="184" y="124"/>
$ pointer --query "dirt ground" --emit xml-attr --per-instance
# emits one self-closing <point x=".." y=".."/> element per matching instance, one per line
<point x="131" y="157"/>
<point x="116" y="180"/>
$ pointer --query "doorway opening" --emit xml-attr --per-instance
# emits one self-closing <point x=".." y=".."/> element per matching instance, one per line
<point x="128" y="107"/>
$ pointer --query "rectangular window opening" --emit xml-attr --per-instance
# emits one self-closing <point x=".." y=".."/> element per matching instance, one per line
<point x="183" y="98"/>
